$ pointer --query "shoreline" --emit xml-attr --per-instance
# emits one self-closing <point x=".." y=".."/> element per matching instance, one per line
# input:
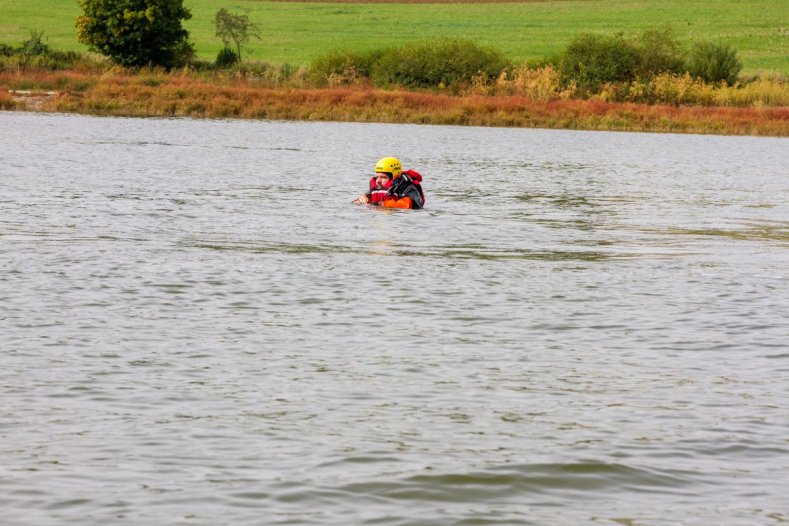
<point x="181" y="95"/>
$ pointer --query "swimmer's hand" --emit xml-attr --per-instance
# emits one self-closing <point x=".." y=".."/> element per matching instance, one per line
<point x="361" y="200"/>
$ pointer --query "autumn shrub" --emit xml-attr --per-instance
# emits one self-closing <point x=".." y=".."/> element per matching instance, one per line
<point x="687" y="90"/>
<point x="757" y="93"/>
<point x="673" y="89"/>
<point x="541" y="83"/>
<point x="613" y="91"/>
<point x="270" y="75"/>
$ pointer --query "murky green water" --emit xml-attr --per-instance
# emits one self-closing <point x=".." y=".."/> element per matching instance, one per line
<point x="196" y="327"/>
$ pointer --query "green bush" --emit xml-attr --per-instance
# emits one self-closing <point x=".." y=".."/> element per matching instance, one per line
<point x="66" y="59"/>
<point x="226" y="57"/>
<point x="593" y="60"/>
<point x="449" y="63"/>
<point x="714" y="62"/>
<point x="430" y="64"/>
<point x="34" y="46"/>
<point x="6" y="50"/>
<point x="660" y="52"/>
<point x="51" y="60"/>
<point x="342" y="65"/>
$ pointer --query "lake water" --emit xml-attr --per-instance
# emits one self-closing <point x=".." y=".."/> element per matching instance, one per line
<point x="198" y="328"/>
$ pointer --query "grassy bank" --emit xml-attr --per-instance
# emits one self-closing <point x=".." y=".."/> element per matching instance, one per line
<point x="187" y="94"/>
<point x="298" y="32"/>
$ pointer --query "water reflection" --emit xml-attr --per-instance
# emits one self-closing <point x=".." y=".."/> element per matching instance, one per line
<point x="389" y="248"/>
<point x="775" y="231"/>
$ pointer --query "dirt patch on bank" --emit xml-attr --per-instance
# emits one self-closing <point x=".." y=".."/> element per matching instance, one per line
<point x="32" y="99"/>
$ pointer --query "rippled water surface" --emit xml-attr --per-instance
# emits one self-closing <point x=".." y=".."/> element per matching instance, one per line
<point x="197" y="327"/>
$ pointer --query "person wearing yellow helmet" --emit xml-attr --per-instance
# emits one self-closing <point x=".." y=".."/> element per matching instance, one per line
<point x="389" y="165"/>
<point x="391" y="187"/>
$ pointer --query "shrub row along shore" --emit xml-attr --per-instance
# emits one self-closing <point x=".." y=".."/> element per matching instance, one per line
<point x="188" y="94"/>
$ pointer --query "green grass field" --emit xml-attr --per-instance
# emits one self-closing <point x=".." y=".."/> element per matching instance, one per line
<point x="298" y="32"/>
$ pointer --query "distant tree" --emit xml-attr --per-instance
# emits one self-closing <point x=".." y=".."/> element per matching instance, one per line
<point x="136" y="32"/>
<point x="235" y="28"/>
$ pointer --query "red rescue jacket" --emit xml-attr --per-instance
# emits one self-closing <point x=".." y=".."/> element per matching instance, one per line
<point x="376" y="196"/>
<point x="401" y="192"/>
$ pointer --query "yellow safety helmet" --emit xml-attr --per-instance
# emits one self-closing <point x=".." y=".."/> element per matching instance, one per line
<point x="389" y="165"/>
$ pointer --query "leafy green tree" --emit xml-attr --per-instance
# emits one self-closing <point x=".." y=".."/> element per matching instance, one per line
<point x="235" y="28"/>
<point x="136" y="32"/>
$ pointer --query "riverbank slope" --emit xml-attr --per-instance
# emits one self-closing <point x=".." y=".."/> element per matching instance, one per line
<point x="186" y="94"/>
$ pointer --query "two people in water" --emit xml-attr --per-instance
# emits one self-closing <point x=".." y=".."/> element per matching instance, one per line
<point x="391" y="187"/>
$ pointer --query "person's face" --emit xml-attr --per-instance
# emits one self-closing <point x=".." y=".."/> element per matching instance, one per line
<point x="380" y="180"/>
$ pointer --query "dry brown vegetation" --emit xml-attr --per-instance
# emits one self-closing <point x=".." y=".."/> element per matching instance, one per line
<point x="187" y="94"/>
